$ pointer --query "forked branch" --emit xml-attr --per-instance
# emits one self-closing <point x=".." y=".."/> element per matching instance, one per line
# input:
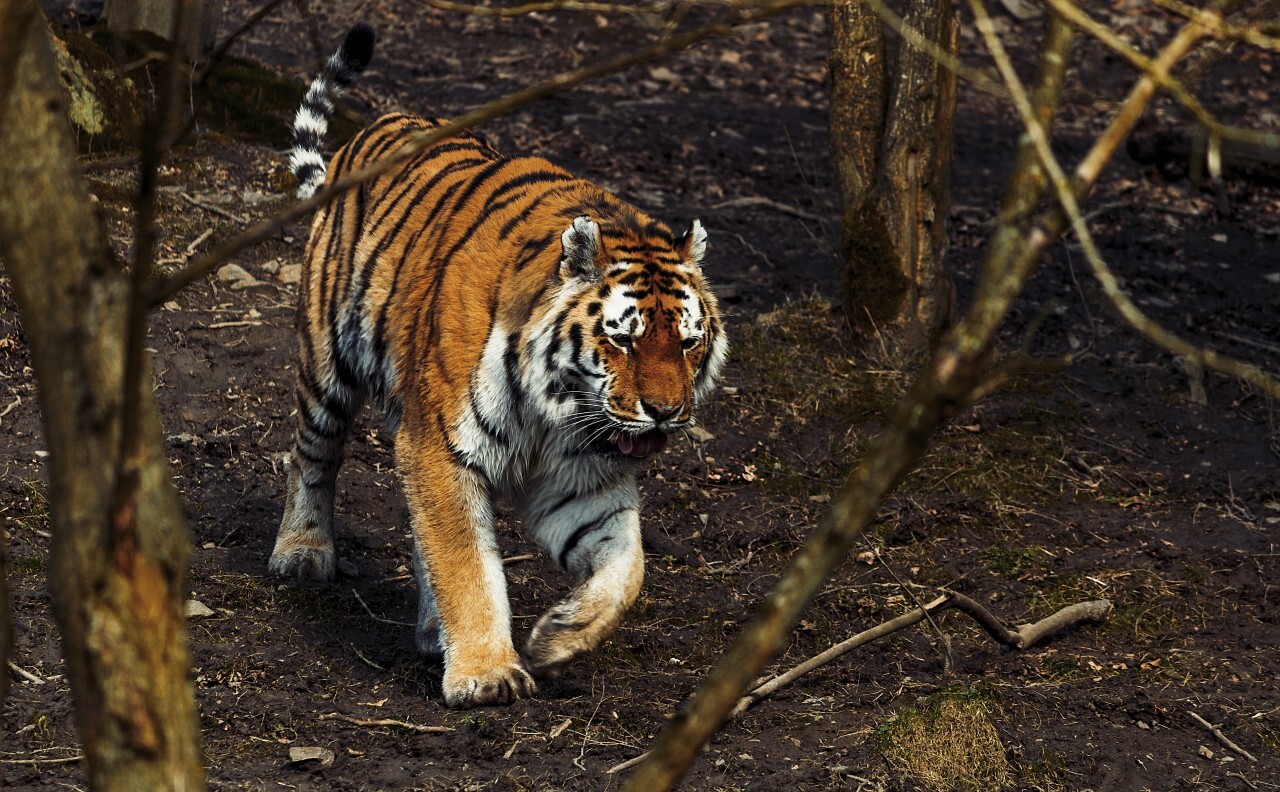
<point x="1022" y="637"/>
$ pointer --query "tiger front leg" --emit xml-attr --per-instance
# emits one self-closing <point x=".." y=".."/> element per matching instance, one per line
<point x="463" y="609"/>
<point x="597" y="538"/>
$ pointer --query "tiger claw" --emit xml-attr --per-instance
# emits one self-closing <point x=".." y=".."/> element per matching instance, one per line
<point x="495" y="687"/>
<point x="304" y="563"/>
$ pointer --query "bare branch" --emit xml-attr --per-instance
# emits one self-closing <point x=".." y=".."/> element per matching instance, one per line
<point x="165" y="289"/>
<point x="1206" y="23"/>
<point x="1110" y="140"/>
<point x="399" y="724"/>
<point x="1022" y="638"/>
<point x="547" y="5"/>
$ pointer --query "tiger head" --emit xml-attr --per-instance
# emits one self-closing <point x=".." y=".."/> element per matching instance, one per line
<point x="643" y="334"/>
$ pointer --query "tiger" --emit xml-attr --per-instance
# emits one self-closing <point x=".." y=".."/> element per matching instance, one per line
<point x="530" y="338"/>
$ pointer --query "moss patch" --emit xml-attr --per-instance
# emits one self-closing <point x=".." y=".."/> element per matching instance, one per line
<point x="949" y="742"/>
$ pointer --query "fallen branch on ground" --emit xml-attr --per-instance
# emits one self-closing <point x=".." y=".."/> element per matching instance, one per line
<point x="1222" y="738"/>
<point x="337" y="716"/>
<point x="1022" y="637"/>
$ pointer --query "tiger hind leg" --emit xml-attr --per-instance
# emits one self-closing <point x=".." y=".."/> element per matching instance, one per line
<point x="304" y="542"/>
<point x="597" y="539"/>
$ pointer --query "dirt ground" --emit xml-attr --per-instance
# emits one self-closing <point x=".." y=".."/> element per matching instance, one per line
<point x="1124" y="476"/>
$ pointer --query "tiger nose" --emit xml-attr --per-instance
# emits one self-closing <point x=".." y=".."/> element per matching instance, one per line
<point x="660" y="412"/>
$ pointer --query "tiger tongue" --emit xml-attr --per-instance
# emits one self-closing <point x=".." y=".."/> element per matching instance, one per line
<point x="642" y="445"/>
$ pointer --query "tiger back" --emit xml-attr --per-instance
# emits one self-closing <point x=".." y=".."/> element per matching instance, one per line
<point x="527" y="336"/>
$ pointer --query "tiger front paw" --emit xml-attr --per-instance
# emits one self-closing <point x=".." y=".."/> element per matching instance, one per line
<point x="305" y="557"/>
<point x="558" y="637"/>
<point x="499" y="685"/>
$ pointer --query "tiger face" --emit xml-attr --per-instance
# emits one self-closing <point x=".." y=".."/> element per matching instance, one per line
<point x="647" y="343"/>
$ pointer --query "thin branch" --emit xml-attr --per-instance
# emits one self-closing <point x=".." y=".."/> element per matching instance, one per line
<point x="1222" y="738"/>
<point x="1022" y="638"/>
<point x="164" y="290"/>
<point x="25" y="674"/>
<point x="1114" y="135"/>
<point x="375" y="616"/>
<point x="1204" y="21"/>
<point x="337" y="716"/>
<point x="774" y="684"/>
<point x="753" y="201"/>
<point x="548" y="5"/>
<point x="1250" y="34"/>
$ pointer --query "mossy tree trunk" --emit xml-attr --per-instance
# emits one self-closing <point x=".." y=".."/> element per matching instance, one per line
<point x="200" y="28"/>
<point x="891" y="130"/>
<point x="120" y="544"/>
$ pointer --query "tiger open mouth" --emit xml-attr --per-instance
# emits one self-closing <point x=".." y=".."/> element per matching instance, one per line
<point x="639" y="445"/>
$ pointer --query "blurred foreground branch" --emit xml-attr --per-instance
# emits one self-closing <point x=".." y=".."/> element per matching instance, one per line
<point x="941" y="390"/>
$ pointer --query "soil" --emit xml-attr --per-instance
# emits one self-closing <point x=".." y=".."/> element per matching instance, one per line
<point x="1124" y="476"/>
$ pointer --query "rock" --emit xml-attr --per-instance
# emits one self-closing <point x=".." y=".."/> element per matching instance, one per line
<point x="237" y="277"/>
<point x="310" y="753"/>
<point x="289" y="273"/>
<point x="699" y="434"/>
<point x="198" y="610"/>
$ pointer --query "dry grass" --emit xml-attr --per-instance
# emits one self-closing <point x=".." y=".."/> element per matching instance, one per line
<point x="948" y="743"/>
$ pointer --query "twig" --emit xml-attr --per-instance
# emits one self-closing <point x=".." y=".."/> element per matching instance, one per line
<point x="770" y="686"/>
<point x="516" y="559"/>
<point x="549" y="5"/>
<point x="748" y="201"/>
<point x="627" y="765"/>
<point x="375" y="616"/>
<point x="25" y="674"/>
<point x="16" y="401"/>
<point x="337" y="716"/>
<point x="63" y="760"/>
<point x="208" y="207"/>
<point x="240" y="323"/>
<point x="1222" y="738"/>
<point x="1115" y="134"/>
<point x="1246" y="781"/>
<point x="366" y="660"/>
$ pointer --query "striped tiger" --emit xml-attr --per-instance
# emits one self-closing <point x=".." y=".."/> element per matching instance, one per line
<point x="529" y="337"/>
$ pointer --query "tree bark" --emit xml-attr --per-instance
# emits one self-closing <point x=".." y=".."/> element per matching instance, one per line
<point x="200" y="30"/>
<point x="118" y="564"/>
<point x="891" y="145"/>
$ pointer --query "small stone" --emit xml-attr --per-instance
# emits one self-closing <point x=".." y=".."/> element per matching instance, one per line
<point x="699" y="434"/>
<point x="663" y="74"/>
<point x="310" y="753"/>
<point x="198" y="610"/>
<point x="236" y="276"/>
<point x="1205" y="752"/>
<point x="289" y="273"/>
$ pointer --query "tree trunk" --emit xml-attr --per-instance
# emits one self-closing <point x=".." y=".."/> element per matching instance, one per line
<point x="119" y="554"/>
<point x="891" y="144"/>
<point x="200" y="29"/>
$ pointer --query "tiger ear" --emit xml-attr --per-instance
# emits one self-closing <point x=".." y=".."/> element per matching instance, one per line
<point x="693" y="243"/>
<point x="581" y="242"/>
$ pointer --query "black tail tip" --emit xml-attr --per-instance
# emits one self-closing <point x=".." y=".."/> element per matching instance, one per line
<point x="357" y="47"/>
